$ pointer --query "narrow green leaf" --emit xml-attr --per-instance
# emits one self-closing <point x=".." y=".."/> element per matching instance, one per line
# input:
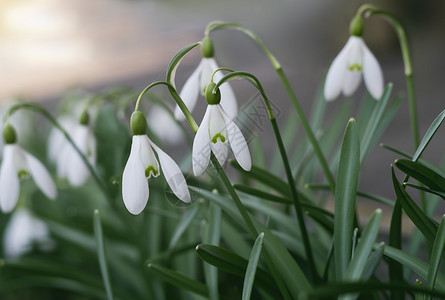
<point x="374" y="122"/>
<point x="183" y="224"/>
<point x="252" y="267"/>
<point x="422" y="222"/>
<point x="414" y="264"/>
<point x="364" y="247"/>
<point x="422" y="174"/>
<point x="436" y="255"/>
<point x="373" y="261"/>
<point x="333" y="290"/>
<point x="260" y="194"/>
<point x="288" y="269"/>
<point x="211" y="235"/>
<point x="177" y="279"/>
<point x="377" y="198"/>
<point x="230" y="262"/>
<point x="174" y="63"/>
<point x="101" y="254"/>
<point x="429" y="135"/>
<point x="395" y="269"/>
<point x="264" y="177"/>
<point x="425" y="189"/>
<point x="345" y="196"/>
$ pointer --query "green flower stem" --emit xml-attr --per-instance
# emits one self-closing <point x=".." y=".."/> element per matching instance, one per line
<point x="242" y="210"/>
<point x="398" y="28"/>
<point x="177" y="99"/>
<point x="46" y="114"/>
<point x="298" y="208"/>
<point x="277" y="66"/>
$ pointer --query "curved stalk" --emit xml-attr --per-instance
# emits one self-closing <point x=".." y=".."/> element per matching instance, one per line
<point x="298" y="208"/>
<point x="177" y="99"/>
<point x="401" y="35"/>
<point x="277" y="66"/>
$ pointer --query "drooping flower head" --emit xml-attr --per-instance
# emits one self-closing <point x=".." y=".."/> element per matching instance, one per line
<point x="345" y="73"/>
<point x="216" y="132"/>
<point x="200" y="78"/>
<point x="143" y="164"/>
<point x="70" y="164"/>
<point x="16" y="164"/>
<point x="22" y="232"/>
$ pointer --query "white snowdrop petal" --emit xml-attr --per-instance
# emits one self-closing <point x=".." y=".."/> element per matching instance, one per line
<point x="134" y="183"/>
<point x="201" y="146"/>
<point x="173" y="175"/>
<point x="41" y="176"/>
<point x="220" y="150"/>
<point x="146" y="155"/>
<point x="336" y="73"/>
<point x="23" y="230"/>
<point x="351" y="82"/>
<point x="208" y="66"/>
<point x="217" y="124"/>
<point x="238" y="144"/>
<point x="190" y="92"/>
<point x="372" y="74"/>
<point x="159" y="119"/>
<point x="228" y="99"/>
<point x="9" y="181"/>
<point x="77" y="171"/>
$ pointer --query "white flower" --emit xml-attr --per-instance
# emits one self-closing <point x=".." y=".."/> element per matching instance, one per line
<point x="22" y="232"/>
<point x="70" y="164"/>
<point x="16" y="163"/>
<point x="216" y="131"/>
<point x="56" y="139"/>
<point x="196" y="84"/>
<point x="141" y="165"/>
<point x="344" y="74"/>
<point x="164" y="126"/>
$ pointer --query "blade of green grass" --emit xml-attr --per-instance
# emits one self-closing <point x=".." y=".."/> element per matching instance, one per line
<point x="429" y="135"/>
<point x="414" y="264"/>
<point x="252" y="267"/>
<point x="421" y="173"/>
<point x="364" y="247"/>
<point x="101" y="254"/>
<point x="345" y="196"/>
<point x="436" y="255"/>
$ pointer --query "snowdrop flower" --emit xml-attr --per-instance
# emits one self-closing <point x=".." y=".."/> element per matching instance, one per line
<point x="199" y="79"/>
<point x="22" y="232"/>
<point x="56" y="139"/>
<point x="142" y="164"/>
<point x="158" y="120"/>
<point x="216" y="131"/>
<point x="355" y="58"/>
<point x="70" y="164"/>
<point x="16" y="164"/>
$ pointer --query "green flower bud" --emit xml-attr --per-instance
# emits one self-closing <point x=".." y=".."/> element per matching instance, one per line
<point x="212" y="98"/>
<point x="207" y="47"/>
<point x="84" y="118"/>
<point x="138" y="123"/>
<point x="356" y="26"/>
<point x="9" y="134"/>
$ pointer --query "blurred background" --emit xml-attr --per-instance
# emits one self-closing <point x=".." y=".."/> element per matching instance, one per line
<point x="50" y="46"/>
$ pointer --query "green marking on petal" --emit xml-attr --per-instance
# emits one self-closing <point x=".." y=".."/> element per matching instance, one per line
<point x="220" y="136"/>
<point x="22" y="174"/>
<point x="355" y="67"/>
<point x="151" y="171"/>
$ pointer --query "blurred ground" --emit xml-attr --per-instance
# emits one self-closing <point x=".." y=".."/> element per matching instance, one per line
<point x="48" y="46"/>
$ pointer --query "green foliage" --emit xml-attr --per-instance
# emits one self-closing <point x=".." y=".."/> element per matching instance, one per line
<point x="263" y="233"/>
